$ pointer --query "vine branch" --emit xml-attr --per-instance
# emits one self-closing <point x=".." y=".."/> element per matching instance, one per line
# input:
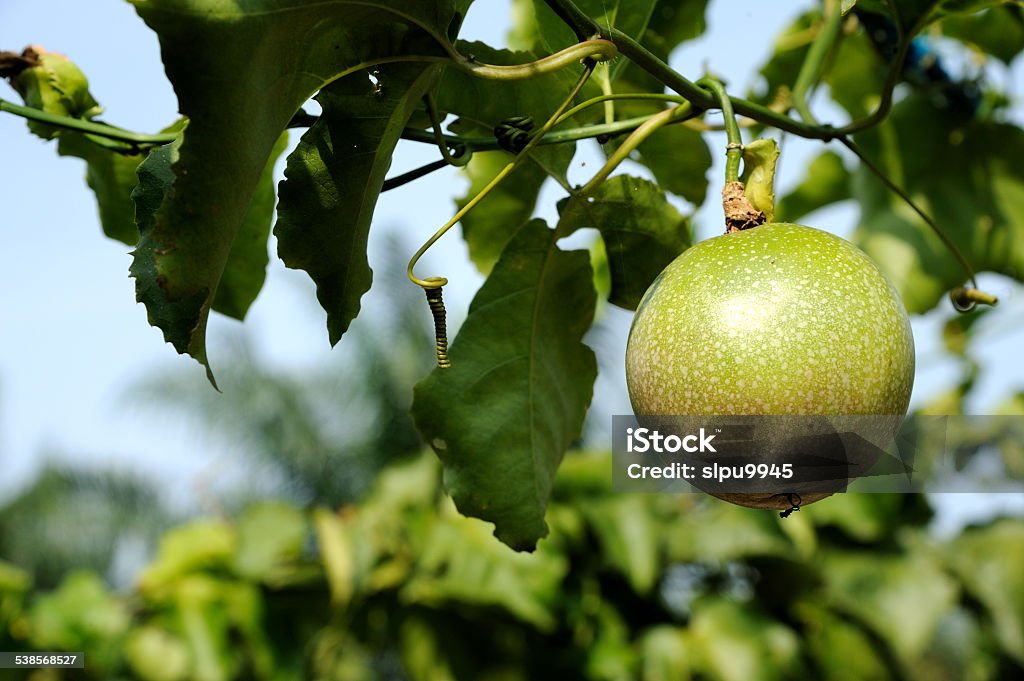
<point x="136" y="139"/>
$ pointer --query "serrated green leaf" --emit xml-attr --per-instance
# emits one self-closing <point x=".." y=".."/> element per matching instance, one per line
<point x="642" y="232"/>
<point x="998" y="31"/>
<point x="759" y="159"/>
<point x="240" y="72"/>
<point x="246" y="264"/>
<point x="826" y="181"/>
<point x="680" y="160"/>
<point x="987" y="560"/>
<point x="334" y="178"/>
<point x="847" y="5"/>
<point x="55" y="85"/>
<point x="501" y="417"/>
<point x="966" y="175"/>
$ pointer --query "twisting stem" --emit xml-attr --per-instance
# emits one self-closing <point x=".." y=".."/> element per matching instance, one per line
<point x="810" y="70"/>
<point x="436" y="303"/>
<point x="896" y="189"/>
<point x="734" y="150"/>
<point x="437" y="282"/>
<point x="598" y="50"/>
<point x="662" y="118"/>
<point x="89" y="127"/>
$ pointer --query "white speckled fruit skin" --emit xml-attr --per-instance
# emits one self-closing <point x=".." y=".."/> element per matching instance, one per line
<point x="779" y="319"/>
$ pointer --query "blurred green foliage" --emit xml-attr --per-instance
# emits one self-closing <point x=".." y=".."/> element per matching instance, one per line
<point x="652" y="587"/>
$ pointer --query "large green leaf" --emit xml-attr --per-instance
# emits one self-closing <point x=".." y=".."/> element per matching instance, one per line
<point x="246" y="265"/>
<point x="642" y="232"/>
<point x="241" y="70"/>
<point x="912" y="15"/>
<point x="826" y="181"/>
<point x="998" y="31"/>
<point x="333" y="180"/>
<point x="502" y="416"/>
<point x="680" y="160"/>
<point x="966" y="175"/>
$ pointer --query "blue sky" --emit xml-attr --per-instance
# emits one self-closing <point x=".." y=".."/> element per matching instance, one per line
<point x="72" y="337"/>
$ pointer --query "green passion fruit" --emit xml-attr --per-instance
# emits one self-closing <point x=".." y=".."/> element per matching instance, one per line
<point x="778" y="320"/>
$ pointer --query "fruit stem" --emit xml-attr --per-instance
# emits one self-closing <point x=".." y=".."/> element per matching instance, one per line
<point x="810" y="70"/>
<point x="734" y="150"/>
<point x="437" y="282"/>
<point x="635" y="139"/>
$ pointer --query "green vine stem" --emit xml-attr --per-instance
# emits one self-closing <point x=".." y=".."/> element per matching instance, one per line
<point x="739" y="213"/>
<point x="658" y="120"/>
<point x="437" y="282"/>
<point x="136" y="140"/>
<point x="810" y="70"/>
<point x="964" y="299"/>
<point x="597" y="50"/>
<point x="611" y="97"/>
<point x="463" y="154"/>
<point x="582" y="24"/>
<point x="734" y="149"/>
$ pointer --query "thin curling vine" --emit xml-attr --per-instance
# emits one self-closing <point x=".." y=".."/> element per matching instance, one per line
<point x="676" y="114"/>
<point x="964" y="299"/>
<point x="433" y="285"/>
